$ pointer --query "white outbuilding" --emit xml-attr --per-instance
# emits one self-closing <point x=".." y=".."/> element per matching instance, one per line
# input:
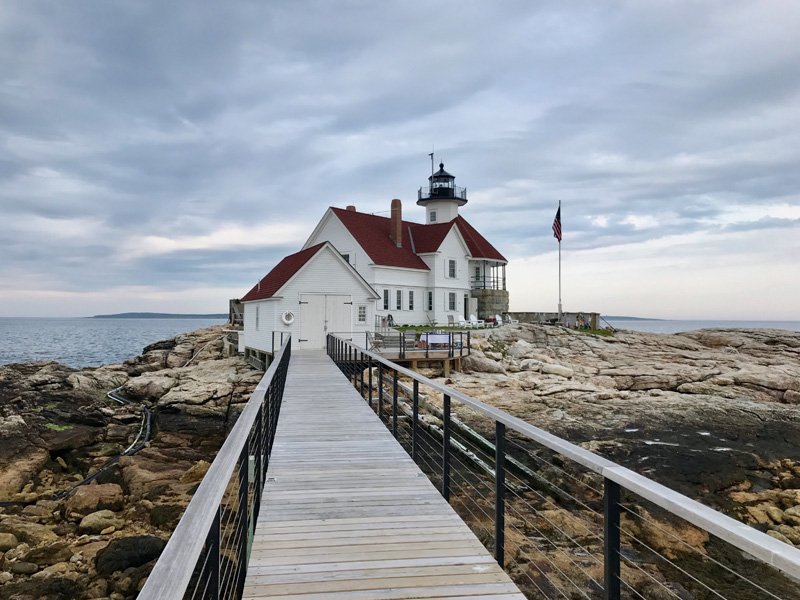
<point x="308" y="294"/>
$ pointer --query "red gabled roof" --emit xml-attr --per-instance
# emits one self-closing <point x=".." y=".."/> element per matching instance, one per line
<point x="372" y="234"/>
<point x="479" y="247"/>
<point x="280" y="274"/>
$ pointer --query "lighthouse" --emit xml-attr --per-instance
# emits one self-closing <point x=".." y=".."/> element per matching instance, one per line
<point x="441" y="198"/>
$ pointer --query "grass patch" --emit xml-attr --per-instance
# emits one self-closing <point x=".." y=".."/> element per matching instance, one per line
<point x="55" y="427"/>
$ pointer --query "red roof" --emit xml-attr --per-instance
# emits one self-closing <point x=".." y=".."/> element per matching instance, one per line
<point x="479" y="247"/>
<point x="283" y="271"/>
<point x="372" y="234"/>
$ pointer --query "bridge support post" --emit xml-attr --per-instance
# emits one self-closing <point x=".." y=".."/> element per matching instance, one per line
<point x="380" y="389"/>
<point x="611" y="539"/>
<point x="244" y="517"/>
<point x="499" y="493"/>
<point x="212" y="550"/>
<point x="415" y="413"/>
<point x="369" y="366"/>
<point x="446" y="450"/>
<point x="394" y="403"/>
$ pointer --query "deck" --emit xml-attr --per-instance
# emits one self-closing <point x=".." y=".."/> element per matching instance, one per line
<point x="346" y="514"/>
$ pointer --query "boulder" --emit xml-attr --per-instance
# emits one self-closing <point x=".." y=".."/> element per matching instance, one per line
<point x="50" y="554"/>
<point x="560" y="370"/>
<point x="24" y="568"/>
<point x="531" y="364"/>
<point x="493" y="355"/>
<point x="520" y="349"/>
<point x="481" y="365"/>
<point x="8" y="541"/>
<point x="127" y="552"/>
<point x="20" y="469"/>
<point x="12" y="424"/>
<point x="25" y="531"/>
<point x="791" y="397"/>
<point x="196" y="472"/>
<point x="91" y="498"/>
<point x="98" y="521"/>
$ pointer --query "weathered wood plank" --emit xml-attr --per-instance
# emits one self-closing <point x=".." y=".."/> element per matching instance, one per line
<point x="346" y="514"/>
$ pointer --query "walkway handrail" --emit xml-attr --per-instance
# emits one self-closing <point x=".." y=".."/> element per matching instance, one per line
<point x="771" y="551"/>
<point x="200" y="528"/>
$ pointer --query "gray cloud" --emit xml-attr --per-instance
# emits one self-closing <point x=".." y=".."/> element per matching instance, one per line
<point x="176" y="119"/>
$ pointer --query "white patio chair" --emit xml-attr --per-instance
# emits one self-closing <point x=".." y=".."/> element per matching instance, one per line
<point x="474" y="323"/>
<point x="510" y="320"/>
<point x="451" y="322"/>
<point x="462" y="322"/>
<point x="498" y="320"/>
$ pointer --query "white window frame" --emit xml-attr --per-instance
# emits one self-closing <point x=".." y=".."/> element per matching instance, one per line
<point x="362" y="314"/>
<point x="410" y="299"/>
<point x="452" y="262"/>
<point x="433" y="216"/>
<point x="386" y="299"/>
<point x="399" y="298"/>
<point x="430" y="300"/>
<point x="451" y="301"/>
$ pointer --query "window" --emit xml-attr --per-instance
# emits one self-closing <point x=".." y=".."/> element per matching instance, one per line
<point x="399" y="299"/>
<point x="385" y="299"/>
<point x="362" y="314"/>
<point x="410" y="300"/>
<point x="430" y="300"/>
<point x="452" y="301"/>
<point x="346" y="257"/>
<point x="451" y="269"/>
<point x="433" y="216"/>
<point x="256" y="318"/>
<point x="477" y="272"/>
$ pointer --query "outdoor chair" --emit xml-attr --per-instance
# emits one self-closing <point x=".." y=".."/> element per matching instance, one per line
<point x="451" y="322"/>
<point x="510" y="320"/>
<point x="462" y="322"/>
<point x="498" y="320"/>
<point x="475" y="323"/>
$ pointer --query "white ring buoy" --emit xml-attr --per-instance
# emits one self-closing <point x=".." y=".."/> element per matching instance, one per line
<point x="288" y="317"/>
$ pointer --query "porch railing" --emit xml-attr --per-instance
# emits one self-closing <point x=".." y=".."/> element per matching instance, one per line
<point x="206" y="556"/>
<point x="406" y="345"/>
<point x="563" y="521"/>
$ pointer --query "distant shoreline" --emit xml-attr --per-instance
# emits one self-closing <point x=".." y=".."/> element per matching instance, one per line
<point x="147" y="315"/>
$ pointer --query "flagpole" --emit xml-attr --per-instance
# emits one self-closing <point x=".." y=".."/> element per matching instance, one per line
<point x="559" y="268"/>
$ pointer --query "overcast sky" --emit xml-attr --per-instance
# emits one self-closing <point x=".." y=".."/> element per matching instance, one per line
<point x="163" y="156"/>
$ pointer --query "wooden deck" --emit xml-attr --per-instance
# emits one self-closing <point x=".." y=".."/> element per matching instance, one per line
<point x="346" y="514"/>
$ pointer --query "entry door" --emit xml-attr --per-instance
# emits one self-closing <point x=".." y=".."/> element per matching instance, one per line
<point x="321" y="313"/>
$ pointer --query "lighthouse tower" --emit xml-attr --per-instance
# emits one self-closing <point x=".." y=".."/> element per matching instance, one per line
<point x="441" y="198"/>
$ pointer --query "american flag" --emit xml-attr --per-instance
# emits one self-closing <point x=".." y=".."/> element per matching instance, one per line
<point x="557" y="225"/>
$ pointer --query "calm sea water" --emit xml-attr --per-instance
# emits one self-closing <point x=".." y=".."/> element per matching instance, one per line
<point x="86" y="342"/>
<point x="669" y="326"/>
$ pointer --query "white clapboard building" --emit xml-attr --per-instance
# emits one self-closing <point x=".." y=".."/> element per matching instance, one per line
<point x="359" y="270"/>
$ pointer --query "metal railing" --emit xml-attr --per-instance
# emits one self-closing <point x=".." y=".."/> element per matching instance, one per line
<point x="412" y="344"/>
<point x="563" y="521"/>
<point x="206" y="556"/>
<point x="425" y="192"/>
<point x="488" y="282"/>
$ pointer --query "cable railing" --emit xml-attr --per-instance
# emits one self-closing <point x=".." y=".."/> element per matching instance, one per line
<point x="564" y="522"/>
<point x="407" y="345"/>
<point x="206" y="556"/>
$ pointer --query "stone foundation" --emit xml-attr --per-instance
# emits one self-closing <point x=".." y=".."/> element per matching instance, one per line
<point x="491" y="302"/>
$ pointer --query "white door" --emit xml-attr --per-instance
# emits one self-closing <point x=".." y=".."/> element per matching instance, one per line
<point x="321" y="313"/>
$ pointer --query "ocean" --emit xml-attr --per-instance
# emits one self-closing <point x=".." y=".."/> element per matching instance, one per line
<point x="82" y="343"/>
<point x="677" y="326"/>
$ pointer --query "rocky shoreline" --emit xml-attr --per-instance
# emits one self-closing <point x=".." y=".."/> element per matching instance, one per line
<point x="57" y="426"/>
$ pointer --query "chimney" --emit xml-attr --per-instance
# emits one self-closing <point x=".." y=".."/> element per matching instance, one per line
<point x="351" y="208"/>
<point x="396" y="230"/>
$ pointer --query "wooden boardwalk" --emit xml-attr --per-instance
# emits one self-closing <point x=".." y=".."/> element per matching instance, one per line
<point x="346" y="514"/>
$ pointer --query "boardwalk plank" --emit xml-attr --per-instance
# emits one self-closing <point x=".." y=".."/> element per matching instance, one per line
<point x="347" y="515"/>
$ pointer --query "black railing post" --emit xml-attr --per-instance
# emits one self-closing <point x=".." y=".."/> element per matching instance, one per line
<point x="244" y="516"/>
<point x="212" y="549"/>
<point x="380" y="390"/>
<point x="394" y="403"/>
<point x="361" y="372"/>
<point x="415" y="413"/>
<point x="259" y="462"/>
<point x="446" y="450"/>
<point x="369" y="366"/>
<point x="402" y="344"/>
<point x="499" y="493"/>
<point x="611" y="535"/>
<point x="469" y="344"/>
